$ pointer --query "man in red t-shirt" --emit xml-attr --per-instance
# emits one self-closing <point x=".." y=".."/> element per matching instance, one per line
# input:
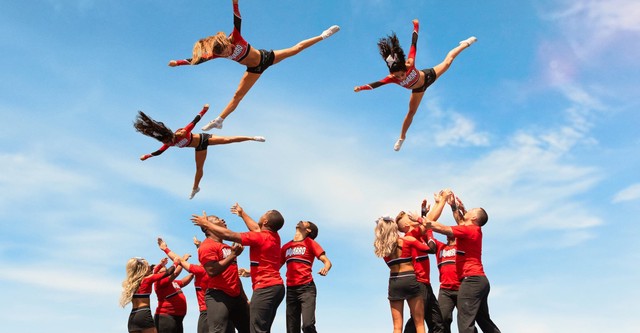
<point x="225" y="299"/>
<point x="474" y="286"/>
<point x="449" y="282"/>
<point x="264" y="254"/>
<point x="299" y="254"/>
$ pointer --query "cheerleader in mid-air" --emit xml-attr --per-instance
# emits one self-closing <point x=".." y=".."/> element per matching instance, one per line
<point x="234" y="47"/>
<point x="184" y="138"/>
<point x="404" y="72"/>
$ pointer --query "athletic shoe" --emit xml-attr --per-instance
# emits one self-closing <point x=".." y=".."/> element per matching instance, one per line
<point x="469" y="41"/>
<point x="332" y="30"/>
<point x="259" y="138"/>
<point x="398" y="144"/>
<point x="193" y="192"/>
<point x="216" y="123"/>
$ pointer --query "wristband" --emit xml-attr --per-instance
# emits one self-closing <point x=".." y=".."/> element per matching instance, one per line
<point x="420" y="220"/>
<point x="454" y="208"/>
<point x="166" y="250"/>
<point x="175" y="264"/>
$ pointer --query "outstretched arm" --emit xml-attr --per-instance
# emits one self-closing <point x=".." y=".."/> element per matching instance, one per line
<point x="195" y="120"/>
<point x="237" y="18"/>
<point x="155" y="153"/>
<point x="414" y="43"/>
<point x="251" y="224"/>
<point x="373" y="85"/>
<point x="222" y="232"/>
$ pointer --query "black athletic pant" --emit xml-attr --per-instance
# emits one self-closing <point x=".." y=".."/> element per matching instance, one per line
<point x="448" y="299"/>
<point x="301" y="302"/>
<point x="473" y="307"/>
<point x="225" y="312"/>
<point x="263" y="307"/>
<point x="432" y="315"/>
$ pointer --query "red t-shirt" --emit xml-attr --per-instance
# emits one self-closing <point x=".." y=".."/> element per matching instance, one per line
<point x="264" y="255"/>
<point x="446" y="259"/>
<point x="420" y="255"/>
<point x="469" y="253"/>
<point x="200" y="283"/>
<point x="171" y="300"/>
<point x="299" y="255"/>
<point x="228" y="280"/>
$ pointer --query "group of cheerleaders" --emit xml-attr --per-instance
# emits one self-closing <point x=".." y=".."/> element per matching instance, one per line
<point x="402" y="71"/>
<point x="406" y="256"/>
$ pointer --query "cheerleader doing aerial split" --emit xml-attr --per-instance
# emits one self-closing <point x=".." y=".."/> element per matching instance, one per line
<point x="404" y="72"/>
<point x="234" y="47"/>
<point x="184" y="138"/>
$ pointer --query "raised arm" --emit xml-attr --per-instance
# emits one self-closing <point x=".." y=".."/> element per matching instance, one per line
<point x="440" y="200"/>
<point x="251" y="224"/>
<point x="237" y="18"/>
<point x="457" y="207"/>
<point x="414" y="43"/>
<point x="195" y="120"/>
<point x="222" y="232"/>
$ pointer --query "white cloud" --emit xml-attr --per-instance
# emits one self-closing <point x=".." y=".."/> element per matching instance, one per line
<point x="629" y="193"/>
<point x="462" y="132"/>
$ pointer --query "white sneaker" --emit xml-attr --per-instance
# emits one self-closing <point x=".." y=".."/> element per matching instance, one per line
<point x="332" y="30"/>
<point x="193" y="192"/>
<point x="469" y="40"/>
<point x="259" y="138"/>
<point x="398" y="144"/>
<point x="216" y="123"/>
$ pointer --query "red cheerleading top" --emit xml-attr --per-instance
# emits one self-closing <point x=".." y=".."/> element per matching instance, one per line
<point x="469" y="252"/>
<point x="412" y="74"/>
<point x="446" y="259"/>
<point x="144" y="290"/>
<point x="264" y="255"/>
<point x="184" y="142"/>
<point x="420" y="255"/>
<point x="228" y="280"/>
<point x="299" y="256"/>
<point x="200" y="281"/>
<point x="406" y="253"/>
<point x="171" y="300"/>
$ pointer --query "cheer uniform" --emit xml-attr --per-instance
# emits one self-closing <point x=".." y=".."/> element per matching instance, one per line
<point x="140" y="318"/>
<point x="301" y="290"/>
<point x="421" y="264"/>
<point x="449" y="282"/>
<point x="268" y="287"/>
<point x="412" y="74"/>
<point x="223" y="296"/>
<point x="186" y="141"/>
<point x="172" y="305"/>
<point x="403" y="285"/>
<point x="241" y="49"/>
<point x="474" y="285"/>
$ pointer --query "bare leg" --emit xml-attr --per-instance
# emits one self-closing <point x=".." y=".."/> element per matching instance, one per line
<point x="416" y="305"/>
<point x="397" y="308"/>
<point x="201" y="156"/>
<point x="223" y="140"/>
<point x="446" y="63"/>
<point x="247" y="81"/>
<point x="289" y="52"/>
<point x="414" y="103"/>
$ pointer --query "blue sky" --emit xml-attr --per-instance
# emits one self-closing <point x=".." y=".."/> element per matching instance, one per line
<point x="537" y="122"/>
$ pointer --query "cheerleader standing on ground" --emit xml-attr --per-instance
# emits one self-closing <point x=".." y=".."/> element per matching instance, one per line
<point x="403" y="285"/>
<point x="404" y="72"/>
<point x="140" y="279"/>
<point x="234" y="47"/>
<point x="184" y="138"/>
